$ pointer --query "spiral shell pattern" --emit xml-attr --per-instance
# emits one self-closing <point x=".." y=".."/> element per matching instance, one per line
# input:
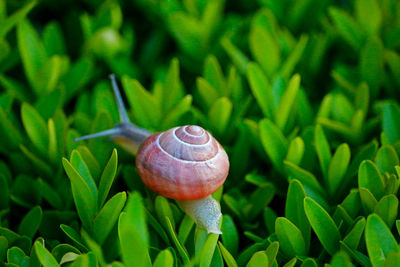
<point x="183" y="163"/>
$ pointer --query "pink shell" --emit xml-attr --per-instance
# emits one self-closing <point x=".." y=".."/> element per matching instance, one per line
<point x="183" y="163"/>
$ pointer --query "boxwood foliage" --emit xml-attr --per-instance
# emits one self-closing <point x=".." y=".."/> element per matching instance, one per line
<point x="302" y="94"/>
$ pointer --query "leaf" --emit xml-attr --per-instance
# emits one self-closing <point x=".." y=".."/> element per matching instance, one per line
<point x="368" y="15"/>
<point x="207" y="92"/>
<point x="390" y="122"/>
<point x="181" y="249"/>
<point x="230" y="236"/>
<point x="85" y="202"/>
<point x="35" y="127"/>
<point x="174" y="115"/>
<point x="272" y="252"/>
<point x="294" y="57"/>
<point x="208" y="250"/>
<point x="352" y="239"/>
<point x="386" y="159"/>
<point x="228" y="258"/>
<point x="264" y="48"/>
<point x="287" y="101"/>
<point x="347" y="27"/>
<point x="16" y="256"/>
<point x="368" y="200"/>
<point x="8" y="23"/>
<point x="44" y="256"/>
<point x="214" y="75"/>
<point x="261" y="89"/>
<point x="294" y="209"/>
<point x="164" y="211"/>
<point x="172" y="88"/>
<point x="341" y="259"/>
<point x="379" y="240"/>
<point x="387" y="209"/>
<point x="370" y="178"/>
<point x="237" y="57"/>
<point x="290" y="238"/>
<point x="258" y="259"/>
<point x="145" y="108"/>
<point x="274" y="142"/>
<point x="323" y="225"/>
<point x="48" y="75"/>
<point x="71" y="233"/>
<point x="108" y="216"/>
<point x="84" y="172"/>
<point x="32" y="52"/>
<point x="305" y="177"/>
<point x="107" y="177"/>
<point x="220" y="114"/>
<point x="133" y="234"/>
<point x="164" y="259"/>
<point x="338" y="167"/>
<point x="371" y="64"/>
<point x="31" y="222"/>
<point x="323" y="150"/>
<point x="295" y="151"/>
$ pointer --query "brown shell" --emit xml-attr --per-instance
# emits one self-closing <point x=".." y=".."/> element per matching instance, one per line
<point x="183" y="163"/>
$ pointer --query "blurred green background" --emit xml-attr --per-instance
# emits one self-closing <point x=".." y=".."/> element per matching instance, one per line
<point x="302" y="94"/>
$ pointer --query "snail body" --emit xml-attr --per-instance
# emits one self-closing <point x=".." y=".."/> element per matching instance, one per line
<point x="184" y="163"/>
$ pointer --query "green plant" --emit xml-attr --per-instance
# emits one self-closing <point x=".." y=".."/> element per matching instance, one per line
<point x="302" y="95"/>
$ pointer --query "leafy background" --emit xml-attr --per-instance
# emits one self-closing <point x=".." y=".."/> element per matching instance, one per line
<point x="302" y="94"/>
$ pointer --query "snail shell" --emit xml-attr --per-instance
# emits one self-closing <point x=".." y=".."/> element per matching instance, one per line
<point x="183" y="163"/>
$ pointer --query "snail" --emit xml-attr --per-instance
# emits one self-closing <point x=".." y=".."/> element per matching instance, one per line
<point x="184" y="163"/>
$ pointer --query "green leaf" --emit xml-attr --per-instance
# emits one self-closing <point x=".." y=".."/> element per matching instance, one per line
<point x="393" y="259"/>
<point x="259" y="199"/>
<point x="287" y="101"/>
<point x="379" y="240"/>
<point x="185" y="228"/>
<point x="8" y="23"/>
<point x="264" y="48"/>
<point x="53" y="39"/>
<point x="84" y="172"/>
<point x="347" y="27"/>
<point x="353" y="238"/>
<point x="230" y="236"/>
<point x="71" y="233"/>
<point x="228" y="258"/>
<point x="295" y="151"/>
<point x="176" y="112"/>
<point x="341" y="259"/>
<point x="368" y="200"/>
<point x="323" y="225"/>
<point x="272" y="252"/>
<point x="238" y="58"/>
<point x="35" y="127"/>
<point x="85" y="202"/>
<point x="172" y="89"/>
<point x="294" y="209"/>
<point x="208" y="249"/>
<point x="274" y="142"/>
<point x="44" y="256"/>
<point x="368" y="15"/>
<point x="290" y="238"/>
<point x="49" y="74"/>
<point x="164" y="259"/>
<point x="163" y="210"/>
<point x="16" y="256"/>
<point x="145" y="108"/>
<point x="387" y="209"/>
<point x="294" y="57"/>
<point x="390" y="122"/>
<point x="32" y="52"/>
<point x="323" y="149"/>
<point x="261" y="89"/>
<point x="207" y="92"/>
<point x="370" y="178"/>
<point x="181" y="249"/>
<point x="305" y="177"/>
<point x="133" y="234"/>
<point x="258" y="259"/>
<point x="214" y="75"/>
<point x="309" y="262"/>
<point x="386" y="159"/>
<point x="371" y="64"/>
<point x="219" y="114"/>
<point x="107" y="177"/>
<point x="31" y="222"/>
<point x="338" y="167"/>
<point x="108" y="216"/>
